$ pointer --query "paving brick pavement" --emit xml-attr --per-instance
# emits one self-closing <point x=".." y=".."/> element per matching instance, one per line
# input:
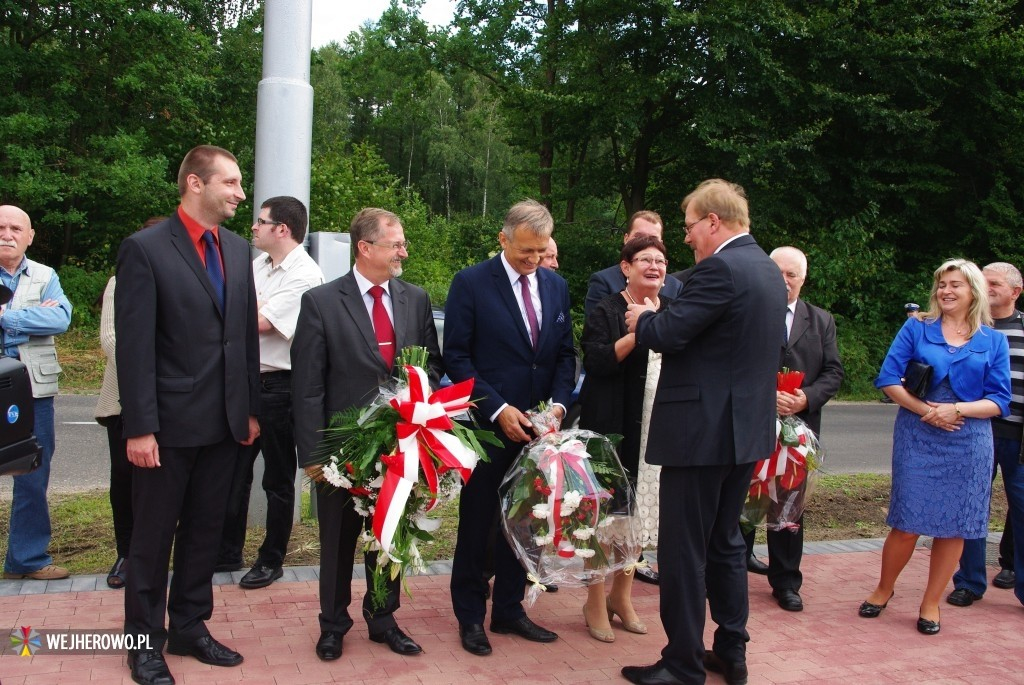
<point x="276" y="629"/>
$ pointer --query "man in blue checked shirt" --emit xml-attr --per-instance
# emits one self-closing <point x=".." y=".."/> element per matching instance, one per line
<point x="38" y="311"/>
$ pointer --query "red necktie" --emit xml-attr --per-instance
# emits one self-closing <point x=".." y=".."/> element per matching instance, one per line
<point x="531" y="313"/>
<point x="382" y="327"/>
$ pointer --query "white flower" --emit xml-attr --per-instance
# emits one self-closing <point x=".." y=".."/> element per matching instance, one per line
<point x="427" y="524"/>
<point x="583" y="533"/>
<point x="541" y="540"/>
<point x="585" y="553"/>
<point x="375" y="484"/>
<point x="333" y="476"/>
<point x="541" y="510"/>
<point x="571" y="500"/>
<point x="357" y="504"/>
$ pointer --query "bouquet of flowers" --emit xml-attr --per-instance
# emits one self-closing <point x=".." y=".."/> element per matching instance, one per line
<point x="399" y="458"/>
<point x="567" y="508"/>
<point x="781" y="483"/>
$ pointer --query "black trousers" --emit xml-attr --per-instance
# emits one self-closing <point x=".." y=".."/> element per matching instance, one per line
<point x="340" y="527"/>
<point x="179" y="502"/>
<point x="705" y="565"/>
<point x="785" y="551"/>
<point x="277" y="443"/>
<point x="120" y="484"/>
<point x="478" y="506"/>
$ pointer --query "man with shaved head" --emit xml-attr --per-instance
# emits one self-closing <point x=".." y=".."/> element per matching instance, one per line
<point x="38" y="311"/>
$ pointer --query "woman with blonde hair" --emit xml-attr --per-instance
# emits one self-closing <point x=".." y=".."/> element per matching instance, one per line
<point x="942" y="441"/>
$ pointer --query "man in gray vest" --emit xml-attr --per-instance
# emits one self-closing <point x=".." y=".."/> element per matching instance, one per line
<point x="38" y="312"/>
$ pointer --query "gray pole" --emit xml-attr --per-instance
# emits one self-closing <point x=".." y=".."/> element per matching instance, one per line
<point x="284" y="104"/>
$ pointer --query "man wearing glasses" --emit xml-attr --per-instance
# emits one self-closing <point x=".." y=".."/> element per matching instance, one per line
<point x="347" y="338"/>
<point x="282" y="274"/>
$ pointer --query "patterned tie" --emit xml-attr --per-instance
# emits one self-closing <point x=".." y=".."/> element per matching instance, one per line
<point x="531" y="313"/>
<point x="213" y="267"/>
<point x="382" y="327"/>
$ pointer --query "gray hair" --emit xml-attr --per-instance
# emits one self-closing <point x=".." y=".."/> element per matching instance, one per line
<point x="369" y="223"/>
<point x="790" y="251"/>
<point x="531" y="215"/>
<point x="1009" y="271"/>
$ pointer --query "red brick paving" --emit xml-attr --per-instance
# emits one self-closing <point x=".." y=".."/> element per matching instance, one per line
<point x="276" y="630"/>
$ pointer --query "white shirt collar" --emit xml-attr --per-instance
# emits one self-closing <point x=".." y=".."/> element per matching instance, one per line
<point x="726" y="242"/>
<point x="365" y="285"/>
<point x="513" y="275"/>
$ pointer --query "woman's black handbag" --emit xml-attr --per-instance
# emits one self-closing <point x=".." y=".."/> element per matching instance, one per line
<point x="919" y="376"/>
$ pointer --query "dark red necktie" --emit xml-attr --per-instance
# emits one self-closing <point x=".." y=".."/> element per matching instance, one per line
<point x="531" y="313"/>
<point x="382" y="327"/>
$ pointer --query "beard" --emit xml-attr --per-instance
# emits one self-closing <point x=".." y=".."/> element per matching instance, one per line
<point x="395" y="269"/>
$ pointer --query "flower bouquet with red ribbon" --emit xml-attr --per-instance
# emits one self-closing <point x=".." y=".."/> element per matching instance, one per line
<point x="781" y="483"/>
<point x="567" y="508"/>
<point x="399" y="458"/>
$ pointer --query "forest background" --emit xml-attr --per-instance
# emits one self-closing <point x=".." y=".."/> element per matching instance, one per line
<point x="879" y="136"/>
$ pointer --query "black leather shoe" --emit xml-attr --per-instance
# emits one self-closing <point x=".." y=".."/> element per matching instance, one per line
<point x="399" y="642"/>
<point x="962" y="597"/>
<point x="735" y="672"/>
<point x="149" y="668"/>
<point x="927" y="627"/>
<point x="524" y="628"/>
<point x="1005" y="579"/>
<point x="869" y="610"/>
<point x="646" y="574"/>
<point x="474" y="639"/>
<point x="205" y="649"/>
<point x="655" y="674"/>
<point x="755" y="565"/>
<point x="260" y="576"/>
<point x="788" y="599"/>
<point x="328" y="647"/>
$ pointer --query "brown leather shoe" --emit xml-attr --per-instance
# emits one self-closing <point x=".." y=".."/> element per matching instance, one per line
<point x="48" y="572"/>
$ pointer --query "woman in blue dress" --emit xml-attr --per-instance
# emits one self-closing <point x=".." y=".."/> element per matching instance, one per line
<point x="942" y="445"/>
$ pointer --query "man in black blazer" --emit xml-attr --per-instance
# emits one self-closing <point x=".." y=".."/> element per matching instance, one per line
<point x="607" y="281"/>
<point x="811" y="348"/>
<point x="188" y="371"/>
<point x="713" y="417"/>
<point x="338" y="362"/>
<point x="508" y="327"/>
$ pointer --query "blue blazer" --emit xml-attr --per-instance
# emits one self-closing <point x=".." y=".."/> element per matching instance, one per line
<point x="978" y="370"/>
<point x="485" y="338"/>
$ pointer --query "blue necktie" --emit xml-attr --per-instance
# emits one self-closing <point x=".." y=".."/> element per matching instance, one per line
<point x="213" y="268"/>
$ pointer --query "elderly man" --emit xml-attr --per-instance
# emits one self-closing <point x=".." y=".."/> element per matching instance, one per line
<point x="811" y="348"/>
<point x="188" y="372"/>
<point x="508" y="327"/>
<point x="713" y="418"/>
<point x="1004" y="287"/>
<point x="550" y="258"/>
<point x="347" y="338"/>
<point x="38" y="311"/>
<point x="607" y="281"/>
<point x="283" y="273"/>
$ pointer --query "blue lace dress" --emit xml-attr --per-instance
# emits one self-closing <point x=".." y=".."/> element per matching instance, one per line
<point x="941" y="480"/>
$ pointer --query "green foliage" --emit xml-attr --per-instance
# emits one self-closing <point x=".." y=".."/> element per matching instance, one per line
<point x="85" y="290"/>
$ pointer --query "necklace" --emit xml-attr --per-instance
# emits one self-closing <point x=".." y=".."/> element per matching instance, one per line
<point x="632" y="301"/>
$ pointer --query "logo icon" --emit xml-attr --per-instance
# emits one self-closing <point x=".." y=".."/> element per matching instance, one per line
<point x="13" y="412"/>
<point x="25" y="641"/>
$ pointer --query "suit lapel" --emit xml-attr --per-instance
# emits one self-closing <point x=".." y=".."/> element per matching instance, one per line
<point x="549" y="306"/>
<point x="504" y="290"/>
<point x="400" y="311"/>
<point x="183" y="244"/>
<point x="353" y="304"/>
<point x="801" y="321"/>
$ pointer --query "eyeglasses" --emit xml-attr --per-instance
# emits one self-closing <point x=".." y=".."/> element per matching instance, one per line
<point x="404" y="245"/>
<point x="689" y="227"/>
<point x="648" y="261"/>
<point x="266" y="222"/>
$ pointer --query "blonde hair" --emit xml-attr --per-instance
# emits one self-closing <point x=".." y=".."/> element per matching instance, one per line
<point x="978" y="313"/>
<point x="718" y="196"/>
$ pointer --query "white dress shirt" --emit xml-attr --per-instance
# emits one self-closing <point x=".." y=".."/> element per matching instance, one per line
<point x="279" y="290"/>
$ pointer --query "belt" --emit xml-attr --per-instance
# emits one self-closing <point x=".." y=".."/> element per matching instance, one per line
<point x="276" y="374"/>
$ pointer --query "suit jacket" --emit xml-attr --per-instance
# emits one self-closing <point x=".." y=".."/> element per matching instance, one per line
<point x="485" y="338"/>
<point x="336" y="362"/>
<point x="607" y="281"/>
<point x="186" y="371"/>
<point x="721" y="341"/>
<point x="811" y="348"/>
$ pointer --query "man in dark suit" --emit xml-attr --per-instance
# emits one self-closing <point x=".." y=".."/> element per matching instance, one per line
<point x="713" y="417"/>
<point x="188" y="364"/>
<point x="347" y="337"/>
<point x="508" y="327"/>
<point x="811" y="348"/>
<point x="607" y="281"/>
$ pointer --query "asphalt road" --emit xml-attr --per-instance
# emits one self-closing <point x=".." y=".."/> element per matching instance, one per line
<point x="857" y="439"/>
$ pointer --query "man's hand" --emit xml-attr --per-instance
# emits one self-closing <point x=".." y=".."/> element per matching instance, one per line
<point x="315" y="473"/>
<point x="254" y="431"/>
<point x="512" y="422"/>
<point x="633" y="312"/>
<point x="144" y="452"/>
<point x="787" y="404"/>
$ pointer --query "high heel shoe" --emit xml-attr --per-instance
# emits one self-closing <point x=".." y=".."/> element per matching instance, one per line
<point x="631" y="626"/>
<point x="869" y="610"/>
<point x="597" y="633"/>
